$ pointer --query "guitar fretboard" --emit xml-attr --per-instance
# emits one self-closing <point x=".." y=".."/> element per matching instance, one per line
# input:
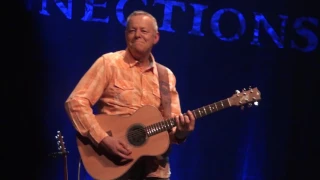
<point x="198" y="113"/>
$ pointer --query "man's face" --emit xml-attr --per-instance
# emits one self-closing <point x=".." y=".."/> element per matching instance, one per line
<point x="141" y="34"/>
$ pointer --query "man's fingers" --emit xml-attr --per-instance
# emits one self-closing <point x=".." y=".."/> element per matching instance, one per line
<point x="124" y="145"/>
<point x="124" y="156"/>
<point x="182" y="121"/>
<point x="186" y="119"/>
<point x="122" y="152"/>
<point x="177" y="121"/>
<point x="191" y="115"/>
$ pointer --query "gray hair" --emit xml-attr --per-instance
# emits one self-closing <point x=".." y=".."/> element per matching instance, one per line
<point x="139" y="12"/>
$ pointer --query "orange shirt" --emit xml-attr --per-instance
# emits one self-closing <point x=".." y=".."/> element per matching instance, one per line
<point x="119" y="87"/>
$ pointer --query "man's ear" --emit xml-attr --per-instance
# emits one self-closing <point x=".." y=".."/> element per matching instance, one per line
<point x="156" y="38"/>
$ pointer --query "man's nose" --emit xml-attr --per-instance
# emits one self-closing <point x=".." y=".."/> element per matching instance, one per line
<point x="137" y="34"/>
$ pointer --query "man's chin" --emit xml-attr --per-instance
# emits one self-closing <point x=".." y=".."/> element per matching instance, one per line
<point x="139" y="51"/>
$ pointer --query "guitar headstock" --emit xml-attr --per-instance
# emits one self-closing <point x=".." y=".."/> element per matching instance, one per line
<point x="250" y="96"/>
<point x="60" y="143"/>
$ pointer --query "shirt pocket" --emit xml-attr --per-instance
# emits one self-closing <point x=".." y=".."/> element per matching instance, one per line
<point x="123" y="90"/>
<point x="123" y="84"/>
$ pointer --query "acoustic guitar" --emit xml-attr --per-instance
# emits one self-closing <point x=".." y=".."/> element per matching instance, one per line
<point x="63" y="152"/>
<point x="146" y="132"/>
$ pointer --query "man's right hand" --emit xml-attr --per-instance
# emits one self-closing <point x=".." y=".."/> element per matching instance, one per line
<point x="117" y="147"/>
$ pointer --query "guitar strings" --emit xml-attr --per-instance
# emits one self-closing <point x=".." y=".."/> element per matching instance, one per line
<point x="144" y="131"/>
<point x="133" y="133"/>
<point x="156" y="129"/>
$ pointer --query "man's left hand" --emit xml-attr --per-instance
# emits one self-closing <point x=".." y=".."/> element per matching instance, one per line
<point x="185" y="124"/>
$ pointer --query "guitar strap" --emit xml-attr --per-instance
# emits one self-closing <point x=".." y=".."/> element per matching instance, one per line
<point x="165" y="102"/>
<point x="164" y="90"/>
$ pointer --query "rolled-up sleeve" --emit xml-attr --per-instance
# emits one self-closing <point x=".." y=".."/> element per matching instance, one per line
<point x="86" y="93"/>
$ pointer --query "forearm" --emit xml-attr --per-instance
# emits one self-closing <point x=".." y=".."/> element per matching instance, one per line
<point x="83" y="119"/>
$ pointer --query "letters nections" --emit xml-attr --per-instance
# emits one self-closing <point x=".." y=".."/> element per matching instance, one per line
<point x="259" y="20"/>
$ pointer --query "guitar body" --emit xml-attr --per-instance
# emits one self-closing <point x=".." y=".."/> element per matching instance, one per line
<point x="103" y="166"/>
<point x="146" y="133"/>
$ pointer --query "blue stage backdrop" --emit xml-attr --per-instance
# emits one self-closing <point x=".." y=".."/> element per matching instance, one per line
<point x="214" y="48"/>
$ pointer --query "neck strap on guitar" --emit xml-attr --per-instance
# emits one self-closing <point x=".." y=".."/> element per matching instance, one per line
<point x="164" y="90"/>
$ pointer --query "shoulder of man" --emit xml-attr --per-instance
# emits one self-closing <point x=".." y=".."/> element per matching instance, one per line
<point x="163" y="68"/>
<point x="112" y="56"/>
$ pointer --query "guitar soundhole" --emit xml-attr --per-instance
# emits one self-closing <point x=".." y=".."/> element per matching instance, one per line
<point x="136" y="135"/>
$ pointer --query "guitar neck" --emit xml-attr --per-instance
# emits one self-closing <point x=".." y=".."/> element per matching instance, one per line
<point x="65" y="169"/>
<point x="198" y="113"/>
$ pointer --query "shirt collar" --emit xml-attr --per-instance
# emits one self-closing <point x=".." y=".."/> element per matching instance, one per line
<point x="132" y="62"/>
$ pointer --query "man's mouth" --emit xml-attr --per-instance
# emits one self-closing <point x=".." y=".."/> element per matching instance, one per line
<point x="138" y="42"/>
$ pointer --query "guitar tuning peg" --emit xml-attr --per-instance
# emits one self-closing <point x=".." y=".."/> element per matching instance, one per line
<point x="249" y="105"/>
<point x="244" y="89"/>
<point x="256" y="103"/>
<point x="237" y="91"/>
<point x="242" y="107"/>
<point x="56" y="137"/>
<point x="250" y="87"/>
